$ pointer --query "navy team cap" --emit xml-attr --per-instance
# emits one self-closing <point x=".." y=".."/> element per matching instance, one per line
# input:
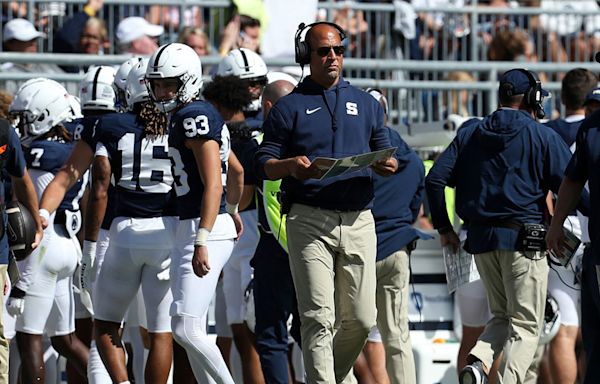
<point x="519" y="80"/>
<point x="592" y="96"/>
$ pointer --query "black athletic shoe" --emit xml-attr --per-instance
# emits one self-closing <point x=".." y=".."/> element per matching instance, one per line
<point x="473" y="374"/>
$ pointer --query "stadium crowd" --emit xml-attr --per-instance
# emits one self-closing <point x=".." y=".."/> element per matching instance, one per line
<point x="159" y="193"/>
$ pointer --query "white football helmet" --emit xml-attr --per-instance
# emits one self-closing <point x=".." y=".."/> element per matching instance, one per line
<point x="120" y="83"/>
<point x="245" y="64"/>
<point x="40" y="104"/>
<point x="136" y="90"/>
<point x="96" y="89"/>
<point x="175" y="61"/>
<point x="275" y="76"/>
<point x="75" y="107"/>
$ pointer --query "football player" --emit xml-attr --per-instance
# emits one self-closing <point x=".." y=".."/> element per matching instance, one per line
<point x="43" y="299"/>
<point x="230" y="94"/>
<point x="141" y="234"/>
<point x="199" y="146"/>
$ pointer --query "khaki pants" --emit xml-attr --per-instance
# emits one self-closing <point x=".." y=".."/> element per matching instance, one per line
<point x="3" y="340"/>
<point x="516" y="288"/>
<point x="392" y="317"/>
<point x="332" y="260"/>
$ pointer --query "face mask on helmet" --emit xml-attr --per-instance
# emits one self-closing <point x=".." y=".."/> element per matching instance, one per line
<point x="136" y="90"/>
<point x="96" y="91"/>
<point x="248" y="65"/>
<point x="243" y="63"/>
<point x="174" y="76"/>
<point x="39" y="106"/>
<point x="120" y="83"/>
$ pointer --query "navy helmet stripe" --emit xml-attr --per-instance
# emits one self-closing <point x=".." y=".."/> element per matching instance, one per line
<point x="160" y="52"/>
<point x="95" y="86"/>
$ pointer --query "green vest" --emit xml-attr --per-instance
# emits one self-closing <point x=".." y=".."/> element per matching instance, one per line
<point x="448" y="192"/>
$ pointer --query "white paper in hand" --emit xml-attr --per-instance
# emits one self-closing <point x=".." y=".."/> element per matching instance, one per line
<point x="460" y="267"/>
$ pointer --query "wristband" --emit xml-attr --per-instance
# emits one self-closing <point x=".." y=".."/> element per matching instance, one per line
<point x="232" y="209"/>
<point x="44" y="213"/>
<point x="89" y="249"/>
<point x="201" y="237"/>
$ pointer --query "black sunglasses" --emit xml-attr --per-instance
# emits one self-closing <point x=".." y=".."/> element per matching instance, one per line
<point x="324" y="51"/>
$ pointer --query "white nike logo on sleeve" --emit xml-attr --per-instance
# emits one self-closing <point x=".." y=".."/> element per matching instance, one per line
<point x="311" y="111"/>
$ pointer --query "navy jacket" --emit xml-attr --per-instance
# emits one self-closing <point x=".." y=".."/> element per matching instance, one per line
<point x="398" y="199"/>
<point x="566" y="130"/>
<point x="502" y="169"/>
<point x="584" y="166"/>
<point x="318" y="122"/>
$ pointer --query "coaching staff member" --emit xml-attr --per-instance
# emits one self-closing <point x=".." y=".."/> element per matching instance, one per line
<point x="502" y="169"/>
<point x="330" y="229"/>
<point x="583" y="168"/>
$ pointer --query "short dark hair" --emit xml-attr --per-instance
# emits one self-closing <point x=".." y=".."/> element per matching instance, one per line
<point x="229" y="92"/>
<point x="576" y="84"/>
<point x="248" y="22"/>
<point x="507" y="101"/>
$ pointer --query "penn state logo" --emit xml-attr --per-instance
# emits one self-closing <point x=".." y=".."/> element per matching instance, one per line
<point x="74" y="223"/>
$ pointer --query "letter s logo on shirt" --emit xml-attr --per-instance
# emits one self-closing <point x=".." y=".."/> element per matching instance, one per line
<point x="351" y="109"/>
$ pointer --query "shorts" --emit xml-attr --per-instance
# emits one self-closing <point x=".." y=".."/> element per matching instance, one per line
<point x="237" y="273"/>
<point x="472" y="303"/>
<point x="49" y="302"/>
<point x="139" y="249"/>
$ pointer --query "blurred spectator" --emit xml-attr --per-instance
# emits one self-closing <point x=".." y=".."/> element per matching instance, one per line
<point x="241" y="32"/>
<point x="82" y="33"/>
<point x="5" y="100"/>
<point x="548" y="43"/>
<point x="592" y="102"/>
<point x="19" y="35"/>
<point x="431" y="26"/>
<point x="197" y="39"/>
<point x="13" y="9"/>
<point x="137" y="36"/>
<point x="455" y="101"/>
<point x="284" y="18"/>
<point x="354" y="24"/>
<point x="171" y="18"/>
<point x="511" y="45"/>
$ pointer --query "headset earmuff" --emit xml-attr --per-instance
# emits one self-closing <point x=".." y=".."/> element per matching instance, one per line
<point x="302" y="48"/>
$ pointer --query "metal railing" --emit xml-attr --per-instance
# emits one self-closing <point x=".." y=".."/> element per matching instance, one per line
<point x="457" y="33"/>
<point x="411" y="100"/>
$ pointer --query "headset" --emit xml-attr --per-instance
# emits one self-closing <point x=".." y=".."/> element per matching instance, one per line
<point x="302" y="48"/>
<point x="533" y="94"/>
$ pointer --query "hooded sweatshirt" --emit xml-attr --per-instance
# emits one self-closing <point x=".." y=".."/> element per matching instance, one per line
<point x="397" y="200"/>
<point x="502" y="169"/>
<point x="317" y="122"/>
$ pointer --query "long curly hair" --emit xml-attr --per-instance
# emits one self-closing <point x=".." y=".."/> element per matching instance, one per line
<point x="155" y="121"/>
